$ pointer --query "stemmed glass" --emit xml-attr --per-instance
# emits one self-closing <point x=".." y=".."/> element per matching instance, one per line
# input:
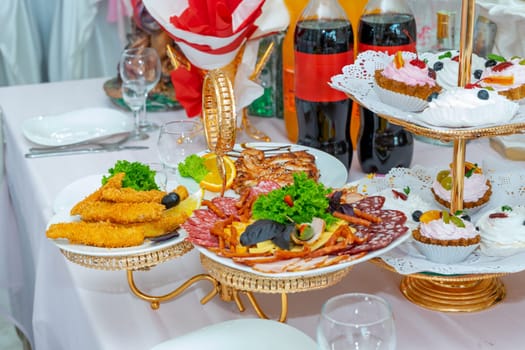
<point x="356" y="321"/>
<point x="178" y="140"/>
<point x="139" y="71"/>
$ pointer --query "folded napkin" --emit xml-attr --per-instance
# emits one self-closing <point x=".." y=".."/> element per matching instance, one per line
<point x="509" y="16"/>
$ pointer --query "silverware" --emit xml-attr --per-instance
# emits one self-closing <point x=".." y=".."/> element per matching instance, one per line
<point x="85" y="150"/>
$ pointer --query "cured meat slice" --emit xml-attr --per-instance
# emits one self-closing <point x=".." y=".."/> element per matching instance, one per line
<point x="370" y="203"/>
<point x="378" y="237"/>
<point x="226" y="204"/>
<point x="390" y="215"/>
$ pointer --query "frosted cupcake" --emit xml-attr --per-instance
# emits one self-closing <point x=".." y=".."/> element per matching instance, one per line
<point x="405" y="82"/>
<point x="446" y="66"/>
<point x="507" y="77"/>
<point x="477" y="189"/>
<point x="470" y="107"/>
<point x="445" y="238"/>
<point x="502" y="230"/>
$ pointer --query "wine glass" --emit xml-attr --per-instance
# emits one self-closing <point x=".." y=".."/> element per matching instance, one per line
<point x="178" y="140"/>
<point x="356" y="321"/>
<point x="139" y="71"/>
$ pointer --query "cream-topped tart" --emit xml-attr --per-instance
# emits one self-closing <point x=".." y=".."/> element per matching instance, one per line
<point x="445" y="238"/>
<point x="502" y="230"/>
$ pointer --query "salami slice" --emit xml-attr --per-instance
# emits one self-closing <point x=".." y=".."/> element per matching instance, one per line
<point x="378" y="239"/>
<point x="370" y="203"/>
<point x="390" y="215"/>
<point x="226" y="204"/>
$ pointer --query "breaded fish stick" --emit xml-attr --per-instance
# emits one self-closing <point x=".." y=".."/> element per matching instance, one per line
<point x="99" y="234"/>
<point x="121" y="213"/>
<point x="131" y="195"/>
<point x="113" y="182"/>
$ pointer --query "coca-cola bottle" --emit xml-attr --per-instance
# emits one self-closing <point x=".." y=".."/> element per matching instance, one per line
<point x="323" y="45"/>
<point x="385" y="25"/>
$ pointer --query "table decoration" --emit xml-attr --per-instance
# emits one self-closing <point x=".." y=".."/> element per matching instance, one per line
<point x="214" y="35"/>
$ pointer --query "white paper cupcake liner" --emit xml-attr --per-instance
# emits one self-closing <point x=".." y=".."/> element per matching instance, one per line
<point x="445" y="254"/>
<point x="404" y="102"/>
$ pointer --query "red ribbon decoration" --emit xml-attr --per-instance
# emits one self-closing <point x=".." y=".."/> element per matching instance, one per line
<point x="188" y="89"/>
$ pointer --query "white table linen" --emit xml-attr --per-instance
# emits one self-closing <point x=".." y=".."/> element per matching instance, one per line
<point x="81" y="308"/>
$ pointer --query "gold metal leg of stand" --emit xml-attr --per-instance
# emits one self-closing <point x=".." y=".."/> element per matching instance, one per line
<point x="251" y="130"/>
<point x="156" y="300"/>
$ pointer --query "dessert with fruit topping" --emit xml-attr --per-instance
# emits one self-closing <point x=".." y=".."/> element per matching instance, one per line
<point x="406" y="82"/>
<point x="445" y="238"/>
<point x="502" y="230"/>
<point x="468" y="107"/>
<point x="507" y="77"/>
<point x="477" y="189"/>
<point x="446" y="66"/>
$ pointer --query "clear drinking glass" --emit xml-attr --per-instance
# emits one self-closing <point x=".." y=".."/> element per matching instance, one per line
<point x="139" y="71"/>
<point x="356" y="321"/>
<point x="179" y="139"/>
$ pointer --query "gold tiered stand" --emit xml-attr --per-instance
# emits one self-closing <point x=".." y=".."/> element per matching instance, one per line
<point x="456" y="293"/>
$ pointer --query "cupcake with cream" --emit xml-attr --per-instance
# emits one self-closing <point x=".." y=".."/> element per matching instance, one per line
<point x="502" y="230"/>
<point x="468" y="107"/>
<point x="445" y="238"/>
<point x="406" y="82"/>
<point x="507" y="77"/>
<point x="446" y="66"/>
<point x="477" y="189"/>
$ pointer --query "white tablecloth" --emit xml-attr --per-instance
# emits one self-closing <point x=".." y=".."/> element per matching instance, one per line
<point x="62" y="305"/>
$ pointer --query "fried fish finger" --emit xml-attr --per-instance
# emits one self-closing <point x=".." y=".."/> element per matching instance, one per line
<point x="130" y="195"/>
<point x="121" y="213"/>
<point x="99" y="234"/>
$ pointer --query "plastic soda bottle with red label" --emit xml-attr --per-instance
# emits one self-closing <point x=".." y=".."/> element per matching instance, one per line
<point x="389" y="26"/>
<point x="323" y="45"/>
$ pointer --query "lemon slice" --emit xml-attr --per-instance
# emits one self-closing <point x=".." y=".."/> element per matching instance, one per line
<point x="212" y="181"/>
<point x="173" y="217"/>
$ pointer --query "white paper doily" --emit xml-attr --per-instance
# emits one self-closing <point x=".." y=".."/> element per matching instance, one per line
<point x="508" y="189"/>
<point x="357" y="80"/>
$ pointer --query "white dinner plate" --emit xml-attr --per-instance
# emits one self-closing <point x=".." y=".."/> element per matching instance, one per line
<point x="307" y="273"/>
<point x="332" y="172"/>
<point x="76" y="126"/>
<point x="242" y="334"/>
<point x="146" y="247"/>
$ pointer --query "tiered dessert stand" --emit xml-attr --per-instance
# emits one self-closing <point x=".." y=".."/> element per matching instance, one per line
<point x="455" y="293"/>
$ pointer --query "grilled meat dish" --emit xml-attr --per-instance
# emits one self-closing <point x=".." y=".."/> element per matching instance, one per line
<point x="253" y="166"/>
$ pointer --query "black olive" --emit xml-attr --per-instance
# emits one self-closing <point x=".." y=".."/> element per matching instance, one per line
<point x="490" y="63"/>
<point x="432" y="96"/>
<point x="416" y="215"/>
<point x="483" y="94"/>
<point x="170" y="200"/>
<point x="465" y="217"/>
<point x="477" y="73"/>
<point x="438" y="66"/>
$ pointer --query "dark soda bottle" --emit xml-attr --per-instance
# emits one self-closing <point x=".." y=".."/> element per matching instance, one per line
<point x="323" y="45"/>
<point x="385" y="26"/>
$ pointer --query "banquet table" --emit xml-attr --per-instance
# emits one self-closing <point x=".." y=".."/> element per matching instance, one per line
<point x="62" y="305"/>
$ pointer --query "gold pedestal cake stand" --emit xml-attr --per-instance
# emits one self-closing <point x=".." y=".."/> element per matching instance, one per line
<point x="455" y="293"/>
<point x="143" y="262"/>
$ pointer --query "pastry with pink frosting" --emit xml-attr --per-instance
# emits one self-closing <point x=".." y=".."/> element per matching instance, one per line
<point x="477" y="189"/>
<point x="507" y="77"/>
<point x="445" y="238"/>
<point x="406" y="82"/>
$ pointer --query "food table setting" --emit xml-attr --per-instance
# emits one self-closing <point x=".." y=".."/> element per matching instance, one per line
<point x="63" y="303"/>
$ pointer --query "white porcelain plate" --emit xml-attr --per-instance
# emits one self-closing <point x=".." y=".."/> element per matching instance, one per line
<point x="242" y="334"/>
<point x="76" y="126"/>
<point x="332" y="172"/>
